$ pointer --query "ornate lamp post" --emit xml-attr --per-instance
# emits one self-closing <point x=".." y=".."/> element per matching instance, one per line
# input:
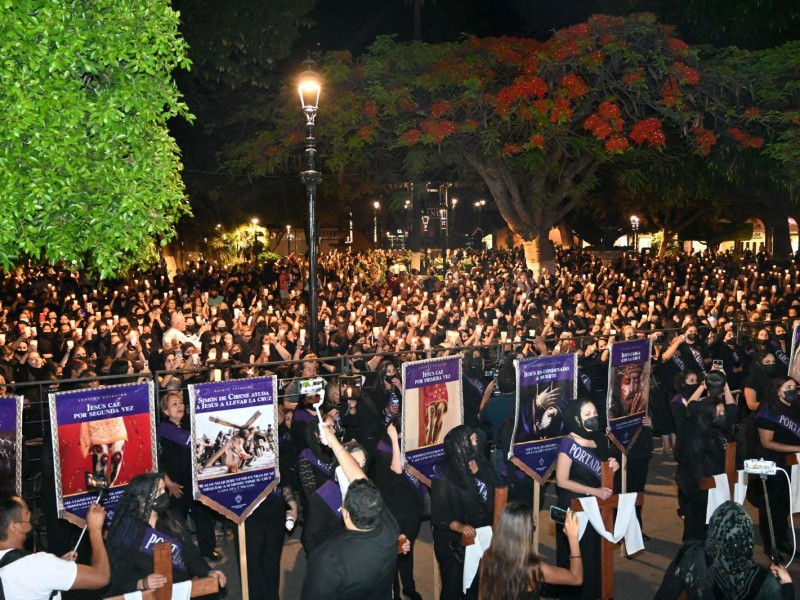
<point x="377" y="206"/>
<point x="309" y="89"/>
<point x="288" y="239"/>
<point x="635" y="229"/>
<point x="254" y="222"/>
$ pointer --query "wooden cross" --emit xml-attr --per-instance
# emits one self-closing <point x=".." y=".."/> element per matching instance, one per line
<point x="162" y="564"/>
<point x="224" y="447"/>
<point x="607" y="508"/>
<point x="500" y="500"/>
<point x="707" y="483"/>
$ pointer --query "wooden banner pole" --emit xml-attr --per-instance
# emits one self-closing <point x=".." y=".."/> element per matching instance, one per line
<point x="243" y="562"/>
<point x="537" y="491"/>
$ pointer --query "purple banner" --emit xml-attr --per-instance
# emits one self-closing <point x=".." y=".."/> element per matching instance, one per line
<point x="545" y="386"/>
<point x="794" y="361"/>
<point x="108" y="432"/>
<point x="234" y="442"/>
<point x="432" y="406"/>
<point x="628" y="390"/>
<point x="11" y="444"/>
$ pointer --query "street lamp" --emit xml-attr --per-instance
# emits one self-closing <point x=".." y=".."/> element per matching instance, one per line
<point x="309" y="89"/>
<point x="635" y="229"/>
<point x="376" y="205"/>
<point x="254" y="222"/>
<point x="288" y="239"/>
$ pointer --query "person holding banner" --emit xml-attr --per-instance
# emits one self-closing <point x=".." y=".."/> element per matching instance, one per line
<point x="578" y="468"/>
<point x="141" y="520"/>
<point x="778" y="426"/>
<point x="462" y="500"/>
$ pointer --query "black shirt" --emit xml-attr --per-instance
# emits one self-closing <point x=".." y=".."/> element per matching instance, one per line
<point x="354" y="564"/>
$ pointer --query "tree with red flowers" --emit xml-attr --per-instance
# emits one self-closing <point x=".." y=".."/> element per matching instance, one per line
<point x="534" y="120"/>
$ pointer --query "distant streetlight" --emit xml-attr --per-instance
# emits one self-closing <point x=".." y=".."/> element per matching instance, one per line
<point x="288" y="239"/>
<point x="309" y="89"/>
<point x="377" y="206"/>
<point x="635" y="229"/>
<point x="254" y="222"/>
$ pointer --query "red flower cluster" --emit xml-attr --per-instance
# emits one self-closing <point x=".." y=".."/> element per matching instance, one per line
<point x="561" y="110"/>
<point x="470" y="125"/>
<point x="365" y="132"/>
<point x="687" y="73"/>
<point x="294" y="137"/>
<point x="510" y="148"/>
<point x="633" y="77"/>
<point x="272" y="151"/>
<point x="442" y="108"/>
<point x="671" y="92"/>
<point x="370" y="109"/>
<point x="605" y="121"/>
<point x="616" y="144"/>
<point x="677" y="48"/>
<point x="648" y="130"/>
<point x="536" y="141"/>
<point x="574" y="85"/>
<point x="522" y="88"/>
<point x="411" y="137"/>
<point x="704" y="139"/>
<point x="438" y="130"/>
<point x="745" y="139"/>
<point x="752" y="113"/>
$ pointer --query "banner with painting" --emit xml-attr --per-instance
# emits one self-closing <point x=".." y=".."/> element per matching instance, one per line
<point x="432" y="406"/>
<point x="101" y="436"/>
<point x="794" y="361"/>
<point x="628" y="390"/>
<point x="544" y="388"/>
<point x="11" y="444"/>
<point x="234" y="444"/>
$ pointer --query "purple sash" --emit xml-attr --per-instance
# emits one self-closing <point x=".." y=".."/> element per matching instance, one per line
<point x="384" y="446"/>
<point x="581" y="456"/>
<point x="784" y="421"/>
<point x="153" y="536"/>
<point x="331" y="494"/>
<point x="303" y="416"/>
<point x="173" y="433"/>
<point x="318" y="464"/>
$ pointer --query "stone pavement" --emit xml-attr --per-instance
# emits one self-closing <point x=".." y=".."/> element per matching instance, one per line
<point x="637" y="578"/>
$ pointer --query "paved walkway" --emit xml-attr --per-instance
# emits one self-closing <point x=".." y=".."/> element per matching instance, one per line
<point x="637" y="578"/>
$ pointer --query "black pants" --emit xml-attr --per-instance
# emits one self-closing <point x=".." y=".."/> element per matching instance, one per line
<point x="264" y="534"/>
<point x="778" y="491"/>
<point x="637" y="476"/>
<point x="451" y="566"/>
<point x="694" y="520"/>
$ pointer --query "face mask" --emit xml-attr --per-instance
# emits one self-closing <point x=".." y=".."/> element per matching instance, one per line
<point x="222" y="329"/>
<point x="690" y="388"/>
<point x="769" y="369"/>
<point x="389" y="378"/>
<point x="789" y="397"/>
<point x="690" y="337"/>
<point x="161" y="504"/>
<point x="591" y="424"/>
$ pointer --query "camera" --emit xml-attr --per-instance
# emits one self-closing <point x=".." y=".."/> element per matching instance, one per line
<point x="558" y="515"/>
<point x="493" y="373"/>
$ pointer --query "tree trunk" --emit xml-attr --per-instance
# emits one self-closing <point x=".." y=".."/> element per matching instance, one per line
<point x="539" y="255"/>
<point x="781" y="240"/>
<point x="565" y="231"/>
<point x="665" y="239"/>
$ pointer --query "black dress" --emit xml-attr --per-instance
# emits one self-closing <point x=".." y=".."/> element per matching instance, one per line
<point x="590" y="543"/>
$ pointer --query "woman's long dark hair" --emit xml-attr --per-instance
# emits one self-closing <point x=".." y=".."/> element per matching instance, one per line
<point x="134" y="509"/>
<point x="510" y="569"/>
<point x="458" y="451"/>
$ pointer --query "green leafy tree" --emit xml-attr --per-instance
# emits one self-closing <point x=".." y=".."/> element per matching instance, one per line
<point x="88" y="170"/>
<point x="534" y="120"/>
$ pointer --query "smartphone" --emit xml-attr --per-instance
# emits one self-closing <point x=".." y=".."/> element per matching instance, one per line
<point x="558" y="514"/>
<point x="716" y="365"/>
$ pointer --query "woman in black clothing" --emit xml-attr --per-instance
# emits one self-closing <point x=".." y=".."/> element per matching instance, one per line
<point x="778" y="426"/>
<point x="462" y="500"/>
<point x="141" y="515"/>
<point x="404" y="501"/>
<point x="175" y="461"/>
<point x="578" y="470"/>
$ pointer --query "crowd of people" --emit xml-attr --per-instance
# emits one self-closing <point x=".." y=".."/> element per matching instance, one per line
<point x="718" y="325"/>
